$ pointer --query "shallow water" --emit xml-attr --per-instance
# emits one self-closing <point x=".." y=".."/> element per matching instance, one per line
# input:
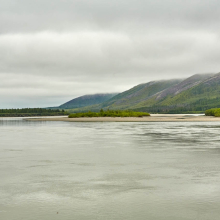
<point x="105" y="171"/>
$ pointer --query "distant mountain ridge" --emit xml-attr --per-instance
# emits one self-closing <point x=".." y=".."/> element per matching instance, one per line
<point x="138" y="94"/>
<point x="87" y="100"/>
<point x="189" y="95"/>
<point x="184" y="85"/>
<point x="193" y="94"/>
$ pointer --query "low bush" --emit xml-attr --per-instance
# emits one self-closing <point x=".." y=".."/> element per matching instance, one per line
<point x="109" y="113"/>
<point x="213" y="112"/>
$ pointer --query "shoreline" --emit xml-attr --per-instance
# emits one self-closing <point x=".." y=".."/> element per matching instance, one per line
<point x="152" y="118"/>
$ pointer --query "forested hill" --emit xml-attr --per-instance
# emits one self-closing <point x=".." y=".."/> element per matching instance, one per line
<point x="194" y="94"/>
<point x="198" y="96"/>
<point x="131" y="97"/>
<point x="29" y="112"/>
<point x="87" y="100"/>
<point x="139" y="93"/>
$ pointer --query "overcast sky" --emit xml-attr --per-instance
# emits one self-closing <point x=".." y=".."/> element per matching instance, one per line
<point x="54" y="50"/>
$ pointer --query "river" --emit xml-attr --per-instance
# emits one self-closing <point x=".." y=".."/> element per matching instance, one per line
<point x="111" y="170"/>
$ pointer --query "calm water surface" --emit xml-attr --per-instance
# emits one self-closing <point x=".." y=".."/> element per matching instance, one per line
<point x="112" y="170"/>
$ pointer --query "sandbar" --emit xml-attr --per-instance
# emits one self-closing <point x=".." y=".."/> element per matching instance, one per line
<point x="152" y="118"/>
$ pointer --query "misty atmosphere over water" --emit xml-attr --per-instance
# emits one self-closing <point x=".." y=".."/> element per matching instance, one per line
<point x="123" y="170"/>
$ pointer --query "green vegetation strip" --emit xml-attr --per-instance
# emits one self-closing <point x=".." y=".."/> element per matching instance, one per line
<point x="29" y="112"/>
<point x="109" y="113"/>
<point x="213" y="112"/>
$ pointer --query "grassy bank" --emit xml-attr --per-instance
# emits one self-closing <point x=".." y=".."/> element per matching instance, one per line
<point x="109" y="113"/>
<point x="213" y="112"/>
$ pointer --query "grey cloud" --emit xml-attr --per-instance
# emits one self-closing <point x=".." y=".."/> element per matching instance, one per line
<point x="38" y="15"/>
<point x="95" y="54"/>
<point x="52" y="51"/>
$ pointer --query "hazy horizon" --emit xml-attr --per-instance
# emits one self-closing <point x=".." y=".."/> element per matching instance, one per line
<point x="54" y="51"/>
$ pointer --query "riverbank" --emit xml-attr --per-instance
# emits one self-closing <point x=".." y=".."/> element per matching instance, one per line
<point x="152" y="118"/>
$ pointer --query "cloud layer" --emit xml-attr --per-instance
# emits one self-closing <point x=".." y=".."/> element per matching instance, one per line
<point x="53" y="51"/>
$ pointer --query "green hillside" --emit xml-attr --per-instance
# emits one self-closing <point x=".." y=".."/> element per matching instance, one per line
<point x="201" y="96"/>
<point x="194" y="94"/>
<point x="137" y="94"/>
<point x="131" y="97"/>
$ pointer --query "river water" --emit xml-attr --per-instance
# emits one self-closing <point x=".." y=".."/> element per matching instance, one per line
<point x="111" y="170"/>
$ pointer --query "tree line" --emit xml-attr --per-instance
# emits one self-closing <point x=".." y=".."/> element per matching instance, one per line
<point x="25" y="112"/>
